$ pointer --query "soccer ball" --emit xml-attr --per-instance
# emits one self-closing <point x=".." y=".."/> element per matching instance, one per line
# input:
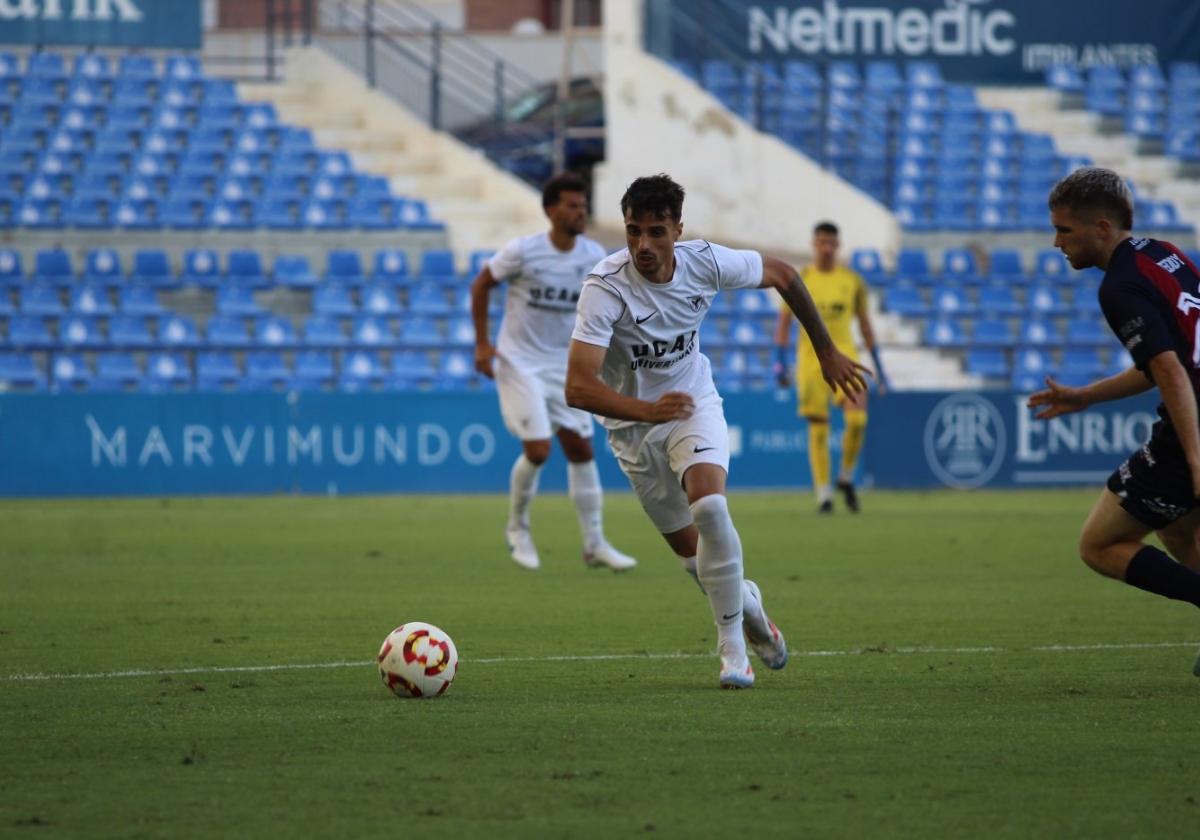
<point x="418" y="660"/>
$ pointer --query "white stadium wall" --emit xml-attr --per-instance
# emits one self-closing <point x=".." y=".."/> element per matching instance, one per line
<point x="743" y="187"/>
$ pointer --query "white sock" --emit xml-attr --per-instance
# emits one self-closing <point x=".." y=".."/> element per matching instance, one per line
<point x="583" y="486"/>
<point x="689" y="566"/>
<point x="522" y="486"/>
<point x="824" y="493"/>
<point x="719" y="569"/>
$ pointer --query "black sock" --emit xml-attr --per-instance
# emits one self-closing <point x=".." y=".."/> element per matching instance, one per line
<point x="1153" y="570"/>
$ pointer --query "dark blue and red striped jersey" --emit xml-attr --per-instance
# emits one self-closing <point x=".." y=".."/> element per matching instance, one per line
<point x="1151" y="299"/>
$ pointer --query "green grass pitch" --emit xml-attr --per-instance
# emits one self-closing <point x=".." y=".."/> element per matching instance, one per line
<point x="957" y="672"/>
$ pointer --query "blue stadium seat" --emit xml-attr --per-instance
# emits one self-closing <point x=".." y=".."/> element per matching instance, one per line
<point x="68" y="371"/>
<point x="361" y="369"/>
<point x="1085" y="362"/>
<point x="127" y="330"/>
<point x="332" y="214"/>
<point x="137" y="66"/>
<point x="294" y="272"/>
<point x="992" y="332"/>
<point x="944" y="332"/>
<point x="747" y="332"/>
<point x="138" y="299"/>
<point x="40" y="298"/>
<point x="913" y="264"/>
<point x="116" y="372"/>
<point x="233" y="215"/>
<point x="216" y="369"/>
<point x="427" y="298"/>
<point x="89" y="213"/>
<point x="1088" y="332"/>
<point x="998" y="299"/>
<point x="438" y="264"/>
<point x="21" y="371"/>
<point x="166" y="371"/>
<point x="1033" y="362"/>
<point x="201" y="267"/>
<point x="457" y="370"/>
<point x="11" y="272"/>
<point x="28" y="331"/>
<point x="411" y="369"/>
<point x="989" y="362"/>
<point x="279" y="212"/>
<point x="186" y="213"/>
<point x="227" y="331"/>
<point x="177" y="330"/>
<point x="1051" y="264"/>
<point x="1043" y="300"/>
<point x="6" y="304"/>
<point x="313" y="368"/>
<point x="370" y="331"/>
<point x="323" y="331"/>
<point x="420" y="332"/>
<point x="237" y="300"/>
<point x="333" y="300"/>
<point x="376" y="212"/>
<point x="266" y="369"/>
<point x="1006" y="266"/>
<point x="960" y="264"/>
<point x="46" y="65"/>
<point x="1040" y="333"/>
<point x="79" y="330"/>
<point x="868" y="263"/>
<point x="391" y="265"/>
<point x="88" y="298"/>
<point x="274" y="331"/>
<point x="245" y="268"/>
<point x="152" y="267"/>
<point x="345" y="267"/>
<point x="951" y="300"/>
<point x="905" y="300"/>
<point x="380" y="299"/>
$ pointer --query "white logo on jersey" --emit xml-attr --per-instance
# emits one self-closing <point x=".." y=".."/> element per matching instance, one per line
<point x="1170" y="263"/>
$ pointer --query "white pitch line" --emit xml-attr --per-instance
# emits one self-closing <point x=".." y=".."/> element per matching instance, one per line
<point x="599" y="657"/>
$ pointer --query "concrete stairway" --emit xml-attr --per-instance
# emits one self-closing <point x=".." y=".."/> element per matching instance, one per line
<point x="482" y="205"/>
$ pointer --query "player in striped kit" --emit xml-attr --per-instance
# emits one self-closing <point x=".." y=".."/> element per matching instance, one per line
<point x="1150" y="297"/>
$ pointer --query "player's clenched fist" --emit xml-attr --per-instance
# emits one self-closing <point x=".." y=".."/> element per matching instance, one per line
<point x="484" y="353"/>
<point x="673" y="405"/>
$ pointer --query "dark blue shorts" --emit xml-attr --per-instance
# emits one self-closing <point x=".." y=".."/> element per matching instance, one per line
<point x="1154" y="484"/>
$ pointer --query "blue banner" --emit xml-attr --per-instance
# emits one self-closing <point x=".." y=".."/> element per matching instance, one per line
<point x="989" y="41"/>
<point x="123" y="23"/>
<point x="331" y="443"/>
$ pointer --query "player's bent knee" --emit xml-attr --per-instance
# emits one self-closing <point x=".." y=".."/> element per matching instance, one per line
<point x="536" y="451"/>
<point x="709" y="510"/>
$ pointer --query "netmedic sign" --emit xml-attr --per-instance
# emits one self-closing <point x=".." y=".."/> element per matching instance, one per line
<point x="1008" y="41"/>
<point x="126" y="23"/>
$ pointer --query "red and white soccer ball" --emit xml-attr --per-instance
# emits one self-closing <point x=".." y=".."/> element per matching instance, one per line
<point x="418" y="660"/>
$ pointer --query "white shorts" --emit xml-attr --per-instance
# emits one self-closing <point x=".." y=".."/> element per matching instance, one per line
<point x="655" y="457"/>
<point x="533" y="403"/>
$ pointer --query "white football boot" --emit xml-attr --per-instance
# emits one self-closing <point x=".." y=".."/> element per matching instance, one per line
<point x="735" y="669"/>
<point x="603" y="554"/>
<point x="761" y="632"/>
<point x="520" y="544"/>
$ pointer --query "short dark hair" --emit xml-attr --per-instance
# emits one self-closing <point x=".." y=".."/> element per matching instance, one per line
<point x="563" y="182"/>
<point x="1094" y="191"/>
<point x="825" y="227"/>
<point x="657" y="195"/>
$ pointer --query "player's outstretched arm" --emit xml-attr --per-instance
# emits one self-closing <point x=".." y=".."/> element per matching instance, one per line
<point x="586" y="390"/>
<point x="1179" y="398"/>
<point x="1058" y="399"/>
<point x="838" y="370"/>
<point x="481" y="286"/>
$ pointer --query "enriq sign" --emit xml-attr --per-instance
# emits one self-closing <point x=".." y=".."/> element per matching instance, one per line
<point x="962" y="28"/>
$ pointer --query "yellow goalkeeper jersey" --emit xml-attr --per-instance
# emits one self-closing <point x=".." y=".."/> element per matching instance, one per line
<point x="840" y="295"/>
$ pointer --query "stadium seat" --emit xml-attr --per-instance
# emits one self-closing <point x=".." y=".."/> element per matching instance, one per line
<point x="237" y="300"/>
<point x="266" y="369"/>
<point x="40" y="298"/>
<point x="370" y="331"/>
<point x="959" y="265"/>
<point x="989" y="362"/>
<point x="992" y="332"/>
<point x="361" y="369"/>
<point x="274" y="331"/>
<point x="152" y="267"/>
<point x="998" y="299"/>
<point x="438" y="264"/>
<point x="245" y="269"/>
<point x="333" y="300"/>
<point x="411" y="369"/>
<point x="944" y="332"/>
<point x="912" y="264"/>
<point x="1051" y="264"/>
<point x="345" y="267"/>
<point x="53" y="267"/>
<point x="115" y="372"/>
<point x="68" y="371"/>
<point x="380" y="299"/>
<point x="226" y="331"/>
<point x="138" y="299"/>
<point x="11" y="272"/>
<point x="313" y="367"/>
<point x="391" y="265"/>
<point x="1044" y="301"/>
<point x="201" y="267"/>
<point x="1006" y="266"/>
<point x="177" y="330"/>
<point x="79" y="331"/>
<point x="1036" y="332"/>
<point x="427" y="298"/>
<point x="323" y="331"/>
<point x="126" y="330"/>
<point x="420" y="332"/>
<point x="460" y="332"/>
<point x="905" y="300"/>
<point x="950" y="300"/>
<point x="28" y="331"/>
<point x="21" y="371"/>
<point x="216" y="369"/>
<point x="166" y="371"/>
<point x="1088" y="332"/>
<point x="868" y="263"/>
<point x="294" y="272"/>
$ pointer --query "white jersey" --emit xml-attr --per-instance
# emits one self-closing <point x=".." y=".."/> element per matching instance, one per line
<point x="652" y="330"/>
<point x="543" y="288"/>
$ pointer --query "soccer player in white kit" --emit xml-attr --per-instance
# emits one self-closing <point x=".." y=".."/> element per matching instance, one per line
<point x="544" y="272"/>
<point x="635" y="361"/>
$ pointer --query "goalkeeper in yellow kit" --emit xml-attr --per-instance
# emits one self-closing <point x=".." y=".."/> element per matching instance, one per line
<point x="841" y="297"/>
